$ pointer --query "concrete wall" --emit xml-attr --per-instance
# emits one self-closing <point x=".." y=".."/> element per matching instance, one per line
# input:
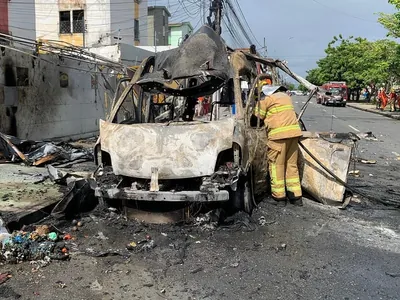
<point x="178" y="32"/>
<point x="143" y="25"/>
<point x="150" y="30"/>
<point x="43" y="109"/>
<point x="157" y="25"/>
<point x="46" y="20"/>
<point x="122" y="21"/>
<point x="21" y="18"/>
<point x="97" y="21"/>
<point x="123" y="53"/>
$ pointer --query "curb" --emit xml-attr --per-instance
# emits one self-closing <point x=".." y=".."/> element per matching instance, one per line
<point x="396" y="117"/>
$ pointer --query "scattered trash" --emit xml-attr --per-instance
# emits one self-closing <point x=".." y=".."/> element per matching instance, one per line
<point x="42" y="230"/>
<point x="4" y="277"/>
<point x="79" y="224"/>
<point x="164" y="234"/>
<point x="96" y="286"/>
<point x="282" y="247"/>
<point x="67" y="237"/>
<point x="61" y="284"/>
<point x="148" y="284"/>
<point x="197" y="270"/>
<point x="371" y="175"/>
<point x="394" y="275"/>
<point x="33" y="246"/>
<point x="147" y="245"/>
<point x="262" y="221"/>
<point x="162" y="291"/>
<point x="80" y="197"/>
<point x="234" y="265"/>
<point x="52" y="236"/>
<point x="100" y="235"/>
<point x="355" y="173"/>
<point x="39" y="153"/>
<point x="131" y="246"/>
<point x="367" y="136"/>
<point x="368" y="162"/>
<point x="197" y="242"/>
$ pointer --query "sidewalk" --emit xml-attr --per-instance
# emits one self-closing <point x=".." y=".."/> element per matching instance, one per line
<point x="372" y="109"/>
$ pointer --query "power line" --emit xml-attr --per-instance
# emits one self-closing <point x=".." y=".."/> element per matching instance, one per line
<point x="342" y="12"/>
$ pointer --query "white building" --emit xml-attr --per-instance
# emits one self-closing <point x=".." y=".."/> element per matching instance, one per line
<point x="80" y="22"/>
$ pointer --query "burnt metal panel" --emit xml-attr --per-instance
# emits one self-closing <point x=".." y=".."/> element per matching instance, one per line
<point x="178" y="150"/>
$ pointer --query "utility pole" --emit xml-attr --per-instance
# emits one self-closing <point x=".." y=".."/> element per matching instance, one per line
<point x="216" y="12"/>
<point x="218" y="17"/>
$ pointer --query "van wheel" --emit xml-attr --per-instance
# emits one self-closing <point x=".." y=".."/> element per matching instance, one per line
<point x="242" y="198"/>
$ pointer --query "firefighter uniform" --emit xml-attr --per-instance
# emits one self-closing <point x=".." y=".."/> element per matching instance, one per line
<point x="277" y="111"/>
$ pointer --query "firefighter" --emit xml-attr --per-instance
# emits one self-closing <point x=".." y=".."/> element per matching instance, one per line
<point x="392" y="100"/>
<point x="277" y="112"/>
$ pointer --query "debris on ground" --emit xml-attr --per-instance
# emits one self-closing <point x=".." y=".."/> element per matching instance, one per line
<point x="4" y="277"/>
<point x="36" y="245"/>
<point x="355" y="173"/>
<point x="367" y="161"/>
<point x="36" y="153"/>
<point x="80" y="196"/>
<point x="367" y="136"/>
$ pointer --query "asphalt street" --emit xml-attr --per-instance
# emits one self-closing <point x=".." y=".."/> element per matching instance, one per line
<point x="345" y="119"/>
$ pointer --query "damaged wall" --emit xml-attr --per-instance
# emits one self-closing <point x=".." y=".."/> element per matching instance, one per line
<point x="123" y="53"/>
<point x="39" y="100"/>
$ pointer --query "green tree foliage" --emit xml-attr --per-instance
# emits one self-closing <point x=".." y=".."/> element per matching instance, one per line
<point x="302" y="88"/>
<point x="391" y="21"/>
<point x="359" y="62"/>
<point x="290" y="86"/>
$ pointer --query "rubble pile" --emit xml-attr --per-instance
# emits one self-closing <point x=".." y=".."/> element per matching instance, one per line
<point x="39" y="244"/>
<point x="39" y="153"/>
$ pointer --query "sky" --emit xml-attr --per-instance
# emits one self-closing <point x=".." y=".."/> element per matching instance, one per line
<point x="298" y="31"/>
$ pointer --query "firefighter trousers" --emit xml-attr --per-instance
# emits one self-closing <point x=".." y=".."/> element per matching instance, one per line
<point x="283" y="169"/>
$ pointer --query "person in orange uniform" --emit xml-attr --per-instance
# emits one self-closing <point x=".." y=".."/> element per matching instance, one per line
<point x="276" y="110"/>
<point x="392" y="100"/>
<point x="384" y="98"/>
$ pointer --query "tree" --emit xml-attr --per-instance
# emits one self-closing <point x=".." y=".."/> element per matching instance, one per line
<point x="302" y="88"/>
<point x="290" y="86"/>
<point x="359" y="62"/>
<point x="391" y="21"/>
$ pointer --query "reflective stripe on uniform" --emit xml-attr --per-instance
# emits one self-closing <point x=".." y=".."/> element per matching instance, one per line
<point x="278" y="190"/>
<point x="293" y="180"/>
<point x="294" y="188"/>
<point x="284" y="129"/>
<point x="274" y="176"/>
<point x="260" y="112"/>
<point x="279" y="109"/>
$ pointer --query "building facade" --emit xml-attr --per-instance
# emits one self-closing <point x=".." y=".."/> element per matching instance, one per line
<point x="157" y="26"/>
<point x="178" y="32"/>
<point x="79" y="22"/>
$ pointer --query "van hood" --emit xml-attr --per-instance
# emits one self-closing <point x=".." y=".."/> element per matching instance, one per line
<point x="178" y="150"/>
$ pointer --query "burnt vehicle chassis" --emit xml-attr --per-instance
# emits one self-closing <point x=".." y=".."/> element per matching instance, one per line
<point x="157" y="152"/>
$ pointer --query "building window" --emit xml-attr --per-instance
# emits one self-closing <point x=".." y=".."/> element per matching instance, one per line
<point x="136" y="33"/>
<point x="22" y="76"/>
<point x="65" y="22"/>
<point x="78" y="21"/>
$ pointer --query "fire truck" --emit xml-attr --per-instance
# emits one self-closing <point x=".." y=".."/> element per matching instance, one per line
<point x="339" y="93"/>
